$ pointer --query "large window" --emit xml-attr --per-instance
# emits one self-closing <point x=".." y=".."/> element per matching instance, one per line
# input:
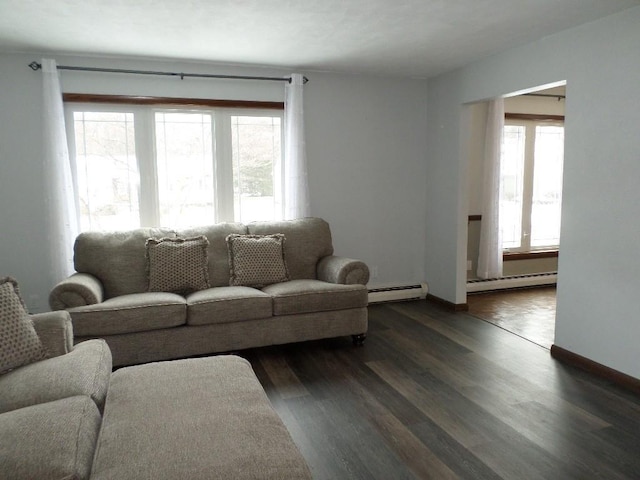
<point x="531" y="176"/>
<point x="176" y="167"/>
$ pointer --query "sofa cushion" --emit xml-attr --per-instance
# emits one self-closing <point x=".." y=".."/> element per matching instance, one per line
<point x="54" y="440"/>
<point x="19" y="342"/>
<point x="257" y="260"/>
<point x="304" y="296"/>
<point x="226" y="305"/>
<point x="308" y="240"/>
<point x="193" y="419"/>
<point x="117" y="259"/>
<point x="83" y="371"/>
<point x="218" y="257"/>
<point x="137" y="312"/>
<point x="178" y="265"/>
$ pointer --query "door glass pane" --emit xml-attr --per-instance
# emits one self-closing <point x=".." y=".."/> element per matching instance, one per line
<point x="184" y="155"/>
<point x="511" y="185"/>
<point x="107" y="171"/>
<point x="547" y="186"/>
<point x="256" y="157"/>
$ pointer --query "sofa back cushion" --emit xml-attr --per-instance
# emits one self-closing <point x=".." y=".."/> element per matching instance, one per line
<point x="117" y="259"/>
<point x="307" y="241"/>
<point x="218" y="258"/>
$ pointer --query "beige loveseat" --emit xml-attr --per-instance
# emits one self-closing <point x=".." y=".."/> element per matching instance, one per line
<point x="321" y="296"/>
<point x="68" y="417"/>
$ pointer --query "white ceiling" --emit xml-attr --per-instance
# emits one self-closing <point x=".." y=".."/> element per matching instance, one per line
<point x="418" y="38"/>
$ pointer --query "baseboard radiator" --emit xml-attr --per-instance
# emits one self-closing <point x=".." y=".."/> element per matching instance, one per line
<point x="513" y="281"/>
<point x="398" y="293"/>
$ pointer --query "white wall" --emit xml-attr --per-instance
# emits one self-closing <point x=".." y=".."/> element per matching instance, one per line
<point x="598" y="269"/>
<point x="365" y="142"/>
<point x="367" y="152"/>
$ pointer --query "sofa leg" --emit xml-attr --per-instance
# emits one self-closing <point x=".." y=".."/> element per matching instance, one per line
<point x="358" y="340"/>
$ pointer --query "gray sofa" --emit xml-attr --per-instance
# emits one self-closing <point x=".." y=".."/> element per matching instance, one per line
<point x="68" y="417"/>
<point x="323" y="296"/>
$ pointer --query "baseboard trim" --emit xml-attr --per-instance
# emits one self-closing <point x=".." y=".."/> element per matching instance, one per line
<point x="399" y="293"/>
<point x="454" y="307"/>
<point x="614" y="376"/>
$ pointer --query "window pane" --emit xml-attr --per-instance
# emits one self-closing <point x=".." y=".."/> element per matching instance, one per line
<point x="547" y="186"/>
<point x="256" y="156"/>
<point x="185" y="169"/>
<point x="511" y="188"/>
<point x="106" y="170"/>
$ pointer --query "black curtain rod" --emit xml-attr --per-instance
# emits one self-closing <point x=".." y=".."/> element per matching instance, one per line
<point x="36" y="66"/>
<point x="559" y="97"/>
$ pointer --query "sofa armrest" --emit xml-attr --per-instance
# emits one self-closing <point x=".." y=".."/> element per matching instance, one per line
<point x="78" y="290"/>
<point x="55" y="332"/>
<point x="342" y="270"/>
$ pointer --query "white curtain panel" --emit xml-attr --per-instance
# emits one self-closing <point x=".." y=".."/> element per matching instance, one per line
<point x="59" y="195"/>
<point x="296" y="185"/>
<point x="490" y="255"/>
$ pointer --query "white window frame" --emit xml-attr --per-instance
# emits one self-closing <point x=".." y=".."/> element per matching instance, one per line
<point x="145" y="146"/>
<point x="528" y="174"/>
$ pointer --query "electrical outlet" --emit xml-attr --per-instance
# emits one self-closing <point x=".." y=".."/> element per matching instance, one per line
<point x="469" y="265"/>
<point x="374" y="271"/>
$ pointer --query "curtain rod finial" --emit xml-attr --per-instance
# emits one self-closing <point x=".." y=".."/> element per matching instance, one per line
<point x="304" y="80"/>
<point x="35" y="66"/>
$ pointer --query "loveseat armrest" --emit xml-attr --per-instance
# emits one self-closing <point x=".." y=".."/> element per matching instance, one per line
<point x="342" y="270"/>
<point x="78" y="290"/>
<point x="55" y="332"/>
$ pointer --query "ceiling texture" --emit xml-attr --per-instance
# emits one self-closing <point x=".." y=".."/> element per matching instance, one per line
<point x="409" y="38"/>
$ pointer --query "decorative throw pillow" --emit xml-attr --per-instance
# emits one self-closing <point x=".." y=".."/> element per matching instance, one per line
<point x="19" y="342"/>
<point x="177" y="265"/>
<point x="257" y="260"/>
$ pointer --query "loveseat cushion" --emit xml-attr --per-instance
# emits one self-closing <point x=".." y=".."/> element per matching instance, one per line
<point x="305" y="296"/>
<point x="218" y="258"/>
<point x="83" y="371"/>
<point x="227" y="305"/>
<point x="138" y="312"/>
<point x="307" y="241"/>
<point x="117" y="259"/>
<point x="53" y="440"/>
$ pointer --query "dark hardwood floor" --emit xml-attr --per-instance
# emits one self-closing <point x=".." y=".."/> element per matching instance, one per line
<point x="442" y="395"/>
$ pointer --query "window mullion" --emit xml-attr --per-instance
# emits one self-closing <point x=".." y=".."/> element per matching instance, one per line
<point x="528" y="185"/>
<point x="223" y="167"/>
<point x="145" y="153"/>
